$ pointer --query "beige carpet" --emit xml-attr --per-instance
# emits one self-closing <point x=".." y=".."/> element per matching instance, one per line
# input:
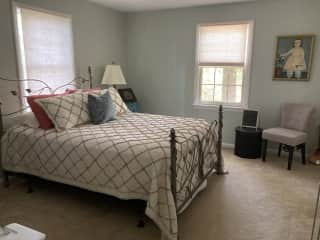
<point x="255" y="201"/>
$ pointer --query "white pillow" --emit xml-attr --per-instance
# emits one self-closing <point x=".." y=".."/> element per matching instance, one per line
<point x="119" y="104"/>
<point x="67" y="111"/>
<point x="70" y="110"/>
<point x="26" y="119"/>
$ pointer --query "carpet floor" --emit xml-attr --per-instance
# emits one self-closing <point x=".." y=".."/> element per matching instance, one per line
<point x="255" y="201"/>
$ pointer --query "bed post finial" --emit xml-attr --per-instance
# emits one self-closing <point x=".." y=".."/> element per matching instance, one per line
<point x="173" y="158"/>
<point x="220" y="160"/>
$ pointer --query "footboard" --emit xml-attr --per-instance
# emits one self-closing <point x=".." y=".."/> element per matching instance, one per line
<point x="193" y="160"/>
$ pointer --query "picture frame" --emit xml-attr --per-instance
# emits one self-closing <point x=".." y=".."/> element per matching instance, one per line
<point x="250" y="118"/>
<point x="127" y="95"/>
<point x="293" y="57"/>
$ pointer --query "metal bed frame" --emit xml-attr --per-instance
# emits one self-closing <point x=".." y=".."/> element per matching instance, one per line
<point x="197" y="149"/>
<point x="315" y="235"/>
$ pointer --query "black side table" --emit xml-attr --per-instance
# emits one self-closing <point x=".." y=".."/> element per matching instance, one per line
<point x="248" y="142"/>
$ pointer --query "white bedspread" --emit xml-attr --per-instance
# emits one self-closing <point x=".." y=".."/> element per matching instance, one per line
<point x="128" y="158"/>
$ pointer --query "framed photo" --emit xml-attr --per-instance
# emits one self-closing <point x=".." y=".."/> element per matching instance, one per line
<point x="250" y="118"/>
<point x="127" y="95"/>
<point x="293" y="60"/>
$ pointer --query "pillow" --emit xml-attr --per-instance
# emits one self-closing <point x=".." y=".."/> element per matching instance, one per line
<point x="67" y="111"/>
<point x="119" y="104"/>
<point x="26" y="119"/>
<point x="40" y="114"/>
<point x="101" y="108"/>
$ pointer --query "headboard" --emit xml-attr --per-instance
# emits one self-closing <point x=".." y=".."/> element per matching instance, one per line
<point x="44" y="88"/>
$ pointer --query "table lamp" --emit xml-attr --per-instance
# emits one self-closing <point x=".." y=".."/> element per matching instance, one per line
<point x="113" y="76"/>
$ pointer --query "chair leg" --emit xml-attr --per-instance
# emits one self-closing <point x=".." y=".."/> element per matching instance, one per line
<point x="291" y="151"/>
<point x="303" y="153"/>
<point x="264" y="149"/>
<point x="280" y="149"/>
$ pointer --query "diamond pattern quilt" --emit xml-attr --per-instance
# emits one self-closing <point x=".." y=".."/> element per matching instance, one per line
<point x="128" y="158"/>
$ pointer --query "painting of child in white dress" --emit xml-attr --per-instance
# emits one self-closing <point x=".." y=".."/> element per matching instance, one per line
<point x="294" y="58"/>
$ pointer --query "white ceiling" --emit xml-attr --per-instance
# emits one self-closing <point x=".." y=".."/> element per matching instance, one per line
<point x="145" y="5"/>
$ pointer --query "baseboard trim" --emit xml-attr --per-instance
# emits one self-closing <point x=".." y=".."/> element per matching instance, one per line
<point x="228" y="145"/>
<point x="232" y="146"/>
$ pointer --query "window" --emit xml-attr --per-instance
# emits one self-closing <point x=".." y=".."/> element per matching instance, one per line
<point x="44" y="47"/>
<point x="223" y="60"/>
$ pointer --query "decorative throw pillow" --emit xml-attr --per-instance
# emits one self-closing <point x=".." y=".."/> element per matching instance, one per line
<point x="101" y="108"/>
<point x="119" y="104"/>
<point x="40" y="114"/>
<point x="66" y="111"/>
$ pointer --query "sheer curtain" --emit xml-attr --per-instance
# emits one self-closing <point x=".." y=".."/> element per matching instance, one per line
<point x="45" y="47"/>
<point x="223" y="44"/>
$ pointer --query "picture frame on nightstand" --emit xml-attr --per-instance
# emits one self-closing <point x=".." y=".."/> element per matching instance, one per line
<point x="127" y="95"/>
<point x="129" y="98"/>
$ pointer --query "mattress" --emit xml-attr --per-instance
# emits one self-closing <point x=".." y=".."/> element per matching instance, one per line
<point x="128" y="158"/>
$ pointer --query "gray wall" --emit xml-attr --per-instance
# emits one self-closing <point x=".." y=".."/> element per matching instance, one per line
<point x="99" y="39"/>
<point x="157" y="52"/>
<point x="161" y="57"/>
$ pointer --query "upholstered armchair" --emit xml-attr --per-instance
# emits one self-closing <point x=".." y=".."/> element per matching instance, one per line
<point x="292" y="132"/>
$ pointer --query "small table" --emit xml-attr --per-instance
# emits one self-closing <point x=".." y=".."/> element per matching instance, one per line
<point x="248" y="142"/>
<point x="133" y="106"/>
<point x="19" y="232"/>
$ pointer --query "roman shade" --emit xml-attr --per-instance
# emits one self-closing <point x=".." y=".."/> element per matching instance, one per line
<point x="222" y="44"/>
<point x="45" y="47"/>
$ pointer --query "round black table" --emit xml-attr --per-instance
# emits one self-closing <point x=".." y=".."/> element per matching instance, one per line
<point x="248" y="142"/>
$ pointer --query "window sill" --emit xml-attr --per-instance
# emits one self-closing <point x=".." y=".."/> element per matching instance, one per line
<point x="216" y="106"/>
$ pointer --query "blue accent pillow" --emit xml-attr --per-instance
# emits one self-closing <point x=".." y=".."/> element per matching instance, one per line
<point x="101" y="108"/>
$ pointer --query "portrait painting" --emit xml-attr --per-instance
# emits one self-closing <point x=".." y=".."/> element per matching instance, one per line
<point x="293" y="61"/>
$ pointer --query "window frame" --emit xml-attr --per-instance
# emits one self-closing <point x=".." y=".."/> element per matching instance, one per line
<point x="246" y="68"/>
<point x="17" y="46"/>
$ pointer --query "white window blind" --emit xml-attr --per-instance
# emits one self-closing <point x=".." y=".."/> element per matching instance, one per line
<point x="222" y="60"/>
<point x="223" y="44"/>
<point x="45" y="47"/>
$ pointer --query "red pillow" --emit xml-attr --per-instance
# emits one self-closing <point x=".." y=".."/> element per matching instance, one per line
<point x="40" y="114"/>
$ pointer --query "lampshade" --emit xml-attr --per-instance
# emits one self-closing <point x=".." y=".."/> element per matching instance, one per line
<point x="113" y="76"/>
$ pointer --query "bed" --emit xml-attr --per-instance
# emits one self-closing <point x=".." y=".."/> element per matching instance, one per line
<point x="162" y="160"/>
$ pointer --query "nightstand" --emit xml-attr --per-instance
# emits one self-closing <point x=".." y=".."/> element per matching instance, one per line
<point x="133" y="106"/>
<point x="248" y="142"/>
